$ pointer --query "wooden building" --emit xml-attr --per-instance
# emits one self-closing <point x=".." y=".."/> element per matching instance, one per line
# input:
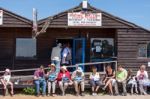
<point x="123" y="41"/>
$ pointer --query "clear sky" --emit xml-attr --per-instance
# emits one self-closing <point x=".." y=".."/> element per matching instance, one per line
<point x="136" y="11"/>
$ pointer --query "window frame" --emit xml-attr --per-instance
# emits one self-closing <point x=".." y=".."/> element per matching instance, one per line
<point x="146" y="51"/>
<point x="24" y="58"/>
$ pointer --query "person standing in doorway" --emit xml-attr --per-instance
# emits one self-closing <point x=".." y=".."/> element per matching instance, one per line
<point x="66" y="55"/>
<point x="56" y="56"/>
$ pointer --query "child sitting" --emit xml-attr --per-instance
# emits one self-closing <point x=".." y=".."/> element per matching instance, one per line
<point x="132" y="80"/>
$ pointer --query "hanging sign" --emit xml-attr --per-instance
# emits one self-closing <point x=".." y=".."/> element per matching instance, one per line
<point x="84" y="19"/>
<point x="1" y="17"/>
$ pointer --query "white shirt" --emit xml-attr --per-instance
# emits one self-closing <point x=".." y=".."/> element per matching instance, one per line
<point x="142" y="76"/>
<point x="7" y="78"/>
<point x="95" y="77"/>
<point x="56" y="53"/>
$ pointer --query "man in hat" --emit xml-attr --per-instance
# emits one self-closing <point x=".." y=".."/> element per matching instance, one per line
<point x="64" y="79"/>
<point x="39" y="79"/>
<point x="78" y="80"/>
<point x="52" y="75"/>
<point x="6" y="81"/>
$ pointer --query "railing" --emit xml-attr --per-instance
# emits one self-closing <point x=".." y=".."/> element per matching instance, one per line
<point x="71" y="66"/>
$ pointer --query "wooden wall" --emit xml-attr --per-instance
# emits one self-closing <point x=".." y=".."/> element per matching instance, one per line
<point x="128" y="40"/>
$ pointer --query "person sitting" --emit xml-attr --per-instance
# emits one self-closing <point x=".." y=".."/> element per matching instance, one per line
<point x="95" y="80"/>
<point x="64" y="79"/>
<point x="121" y="77"/>
<point x="142" y="77"/>
<point x="5" y="80"/>
<point x="132" y="82"/>
<point x="109" y="79"/>
<point x="39" y="79"/>
<point x="78" y="80"/>
<point x="52" y="75"/>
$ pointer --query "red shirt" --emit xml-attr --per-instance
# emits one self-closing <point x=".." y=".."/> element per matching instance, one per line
<point x="60" y="75"/>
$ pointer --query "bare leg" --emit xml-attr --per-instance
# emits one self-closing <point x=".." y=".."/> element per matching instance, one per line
<point x="107" y="83"/>
<point x="110" y="88"/>
<point x="12" y="88"/>
<point x="4" y="86"/>
<point x="49" y="88"/>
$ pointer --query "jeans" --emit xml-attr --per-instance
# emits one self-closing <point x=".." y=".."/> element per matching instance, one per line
<point x="57" y="63"/>
<point x="123" y="85"/>
<point x="95" y="83"/>
<point x="37" y="86"/>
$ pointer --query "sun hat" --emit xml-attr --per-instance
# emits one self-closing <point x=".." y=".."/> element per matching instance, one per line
<point x="64" y="67"/>
<point x="79" y="69"/>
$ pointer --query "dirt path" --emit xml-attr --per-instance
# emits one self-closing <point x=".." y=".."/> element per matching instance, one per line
<point x="79" y="97"/>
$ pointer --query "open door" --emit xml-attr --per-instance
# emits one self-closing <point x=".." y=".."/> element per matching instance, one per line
<point x="78" y="51"/>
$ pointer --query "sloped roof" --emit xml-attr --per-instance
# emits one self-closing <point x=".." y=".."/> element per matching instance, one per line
<point x="17" y="20"/>
<point x="92" y="9"/>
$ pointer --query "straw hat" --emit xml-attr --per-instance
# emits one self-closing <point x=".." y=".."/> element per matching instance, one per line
<point x="64" y="67"/>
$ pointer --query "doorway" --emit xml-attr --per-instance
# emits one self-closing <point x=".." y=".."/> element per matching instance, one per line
<point x="77" y="46"/>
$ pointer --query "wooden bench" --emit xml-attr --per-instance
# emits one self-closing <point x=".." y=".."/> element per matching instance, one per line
<point x="27" y="81"/>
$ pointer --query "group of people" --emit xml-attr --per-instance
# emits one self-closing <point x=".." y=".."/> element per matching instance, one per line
<point x="120" y="78"/>
<point x="113" y="79"/>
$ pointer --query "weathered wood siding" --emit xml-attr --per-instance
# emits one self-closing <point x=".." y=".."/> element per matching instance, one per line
<point x="13" y="20"/>
<point x="128" y="40"/>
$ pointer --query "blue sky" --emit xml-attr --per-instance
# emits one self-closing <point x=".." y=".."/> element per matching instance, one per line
<point x="136" y="11"/>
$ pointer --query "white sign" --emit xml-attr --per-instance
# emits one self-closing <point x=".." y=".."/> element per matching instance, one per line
<point x="84" y="19"/>
<point x="1" y="17"/>
<point x="84" y="4"/>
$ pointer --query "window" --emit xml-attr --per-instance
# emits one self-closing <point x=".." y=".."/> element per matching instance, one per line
<point x="142" y="50"/>
<point x="25" y="48"/>
<point x="102" y="49"/>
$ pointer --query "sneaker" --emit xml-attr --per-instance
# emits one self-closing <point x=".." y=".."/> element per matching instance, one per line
<point x="93" y="94"/>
